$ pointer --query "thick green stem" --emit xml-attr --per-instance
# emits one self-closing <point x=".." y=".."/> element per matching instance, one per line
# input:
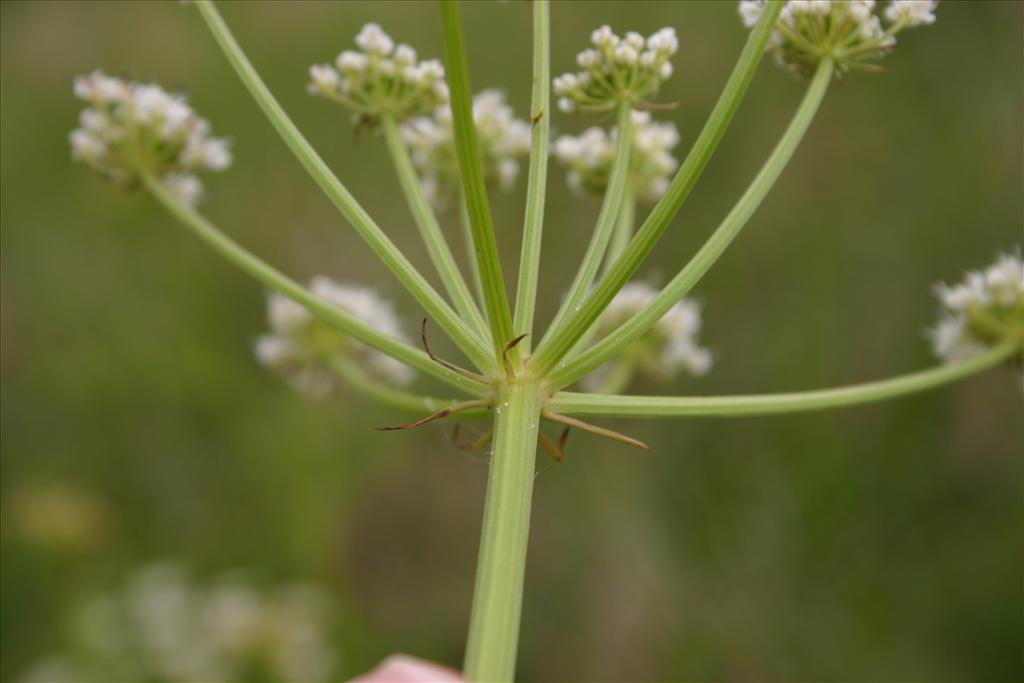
<point x="430" y="230"/>
<point x="608" y="217"/>
<point x="715" y="246"/>
<point x="467" y="149"/>
<point x="498" y="593"/>
<point x="280" y="282"/>
<point x="536" y="186"/>
<point x="661" y="215"/>
<point x="389" y="254"/>
<point x="772" y="404"/>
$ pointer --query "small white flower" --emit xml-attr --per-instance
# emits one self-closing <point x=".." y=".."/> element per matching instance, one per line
<point x="604" y="38"/>
<point x="373" y="40"/>
<point x="624" y="54"/>
<point x="588" y="58"/>
<point x="204" y="152"/>
<point x="87" y="146"/>
<point x="404" y="55"/>
<point x="99" y="88"/>
<point x="503" y="140"/>
<point x="669" y="347"/>
<point x="323" y="79"/>
<point x="751" y="11"/>
<point x="301" y="347"/>
<point x="911" y="12"/>
<point x="590" y="155"/>
<point x="664" y="42"/>
<point x="985" y="308"/>
<point x="862" y="10"/>
<point x="185" y="186"/>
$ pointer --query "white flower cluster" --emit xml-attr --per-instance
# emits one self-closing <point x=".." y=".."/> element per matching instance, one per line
<point x="589" y="157"/>
<point x="164" y="627"/>
<point x="985" y="308"/>
<point x="848" y="31"/>
<point x="132" y="128"/>
<point x="670" y="346"/>
<point x="627" y="69"/>
<point x="503" y="140"/>
<point x="380" y="78"/>
<point x="301" y="346"/>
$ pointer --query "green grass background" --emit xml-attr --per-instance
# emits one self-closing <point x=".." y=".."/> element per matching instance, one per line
<point x="879" y="543"/>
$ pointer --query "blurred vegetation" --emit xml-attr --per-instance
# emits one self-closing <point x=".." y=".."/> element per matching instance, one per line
<point x="878" y="543"/>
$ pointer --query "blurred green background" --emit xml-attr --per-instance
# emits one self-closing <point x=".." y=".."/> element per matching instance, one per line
<point x="880" y="543"/>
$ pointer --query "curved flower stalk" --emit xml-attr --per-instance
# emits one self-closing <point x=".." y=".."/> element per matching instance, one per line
<point x="639" y="329"/>
<point x="846" y="31"/>
<point x="303" y="348"/>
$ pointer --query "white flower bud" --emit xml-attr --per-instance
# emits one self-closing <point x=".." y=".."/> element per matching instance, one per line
<point x="185" y="186"/>
<point x="751" y="11"/>
<point x="624" y="54"/>
<point x="405" y="55"/>
<point x="322" y="79"/>
<point x="373" y="40"/>
<point x="353" y="62"/>
<point x="911" y="12"/>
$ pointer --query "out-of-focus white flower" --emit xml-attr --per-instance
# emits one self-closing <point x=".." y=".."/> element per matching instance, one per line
<point x="589" y="157"/>
<point x="984" y="308"/>
<point x="134" y="128"/>
<point x="185" y="186"/>
<point x="911" y="12"/>
<point x="503" y="141"/>
<point x="164" y="626"/>
<point x="301" y="347"/>
<point x="669" y="347"/>
<point x="848" y="31"/>
<point x="380" y="79"/>
<point x="627" y="69"/>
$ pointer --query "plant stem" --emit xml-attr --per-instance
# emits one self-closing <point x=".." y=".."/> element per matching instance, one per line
<point x="389" y="254"/>
<point x="623" y="229"/>
<point x="280" y="282"/>
<point x="396" y="398"/>
<point x="536" y="186"/>
<point x="430" y="230"/>
<point x="498" y="593"/>
<point x="471" y="171"/>
<point x="467" y="238"/>
<point x="714" y="247"/>
<point x="667" y="207"/>
<point x="772" y="404"/>
<point x="614" y="194"/>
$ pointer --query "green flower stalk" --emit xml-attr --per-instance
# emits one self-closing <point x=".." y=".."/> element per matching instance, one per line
<point x="446" y="144"/>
